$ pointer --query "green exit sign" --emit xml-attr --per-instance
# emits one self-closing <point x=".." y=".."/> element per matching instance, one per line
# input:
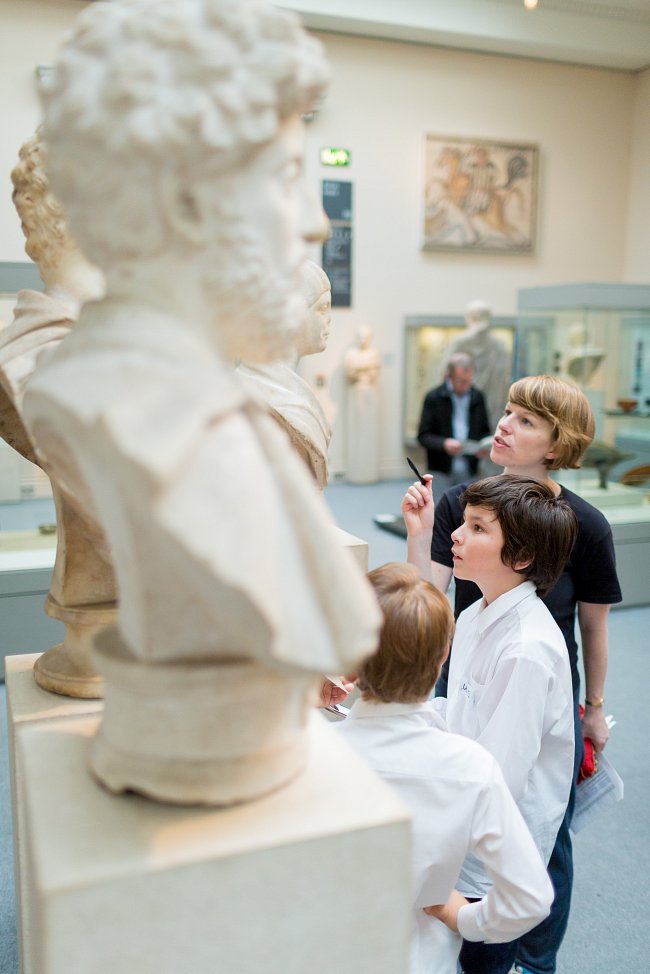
<point x="335" y="157"/>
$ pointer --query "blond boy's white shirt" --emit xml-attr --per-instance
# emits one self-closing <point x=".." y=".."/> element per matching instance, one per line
<point x="459" y="803"/>
<point x="510" y="690"/>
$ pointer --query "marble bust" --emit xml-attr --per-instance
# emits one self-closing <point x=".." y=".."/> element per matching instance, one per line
<point x="493" y="367"/>
<point x="82" y="593"/>
<point x="175" y="143"/>
<point x="362" y="365"/>
<point x="288" y="397"/>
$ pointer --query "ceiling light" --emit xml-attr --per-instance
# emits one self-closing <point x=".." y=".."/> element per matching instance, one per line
<point x="530" y="4"/>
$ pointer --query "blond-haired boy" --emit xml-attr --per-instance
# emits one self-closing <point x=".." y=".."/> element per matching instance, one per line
<point x="455" y="790"/>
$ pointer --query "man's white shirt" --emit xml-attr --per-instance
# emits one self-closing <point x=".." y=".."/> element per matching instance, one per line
<point x="460" y="803"/>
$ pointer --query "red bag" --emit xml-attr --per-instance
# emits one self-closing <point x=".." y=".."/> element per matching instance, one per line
<point x="590" y="759"/>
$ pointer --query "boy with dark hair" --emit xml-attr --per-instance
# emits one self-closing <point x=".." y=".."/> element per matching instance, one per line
<point x="455" y="790"/>
<point x="509" y="678"/>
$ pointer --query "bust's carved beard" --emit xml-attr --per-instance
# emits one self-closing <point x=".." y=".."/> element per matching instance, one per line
<point x="258" y="304"/>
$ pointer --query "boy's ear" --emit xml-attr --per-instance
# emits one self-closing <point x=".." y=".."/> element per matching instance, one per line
<point x="519" y="566"/>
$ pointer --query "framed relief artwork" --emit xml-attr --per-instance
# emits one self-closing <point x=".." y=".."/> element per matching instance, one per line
<point x="479" y="195"/>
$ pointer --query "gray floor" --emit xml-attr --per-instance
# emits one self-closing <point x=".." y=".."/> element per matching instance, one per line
<point x="612" y="857"/>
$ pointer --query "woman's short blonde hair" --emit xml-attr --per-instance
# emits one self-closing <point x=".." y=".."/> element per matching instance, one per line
<point x="414" y="640"/>
<point x="563" y="405"/>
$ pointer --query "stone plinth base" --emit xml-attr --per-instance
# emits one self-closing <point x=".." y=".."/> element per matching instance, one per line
<point x="27" y="703"/>
<point x="284" y="885"/>
<point x="356" y="546"/>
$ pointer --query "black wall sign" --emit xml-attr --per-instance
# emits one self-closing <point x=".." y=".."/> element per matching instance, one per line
<point x="337" y="251"/>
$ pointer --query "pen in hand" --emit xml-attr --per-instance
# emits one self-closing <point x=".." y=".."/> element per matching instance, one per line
<point x="416" y="471"/>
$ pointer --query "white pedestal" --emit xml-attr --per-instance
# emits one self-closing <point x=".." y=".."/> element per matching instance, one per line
<point x="27" y="703"/>
<point x="358" y="547"/>
<point x="288" y="884"/>
<point x="362" y="466"/>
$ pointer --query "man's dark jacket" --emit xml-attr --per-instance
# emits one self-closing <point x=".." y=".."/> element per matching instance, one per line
<point x="436" y="426"/>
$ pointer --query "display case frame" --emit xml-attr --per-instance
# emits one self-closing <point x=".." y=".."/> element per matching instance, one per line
<point x="598" y="335"/>
<point x="427" y="339"/>
<point x="19" y="479"/>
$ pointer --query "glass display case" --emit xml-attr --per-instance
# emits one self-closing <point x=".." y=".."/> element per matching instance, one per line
<point x="27" y="528"/>
<point x="427" y="342"/>
<point x="14" y="276"/>
<point x="19" y="479"/>
<point x="598" y="335"/>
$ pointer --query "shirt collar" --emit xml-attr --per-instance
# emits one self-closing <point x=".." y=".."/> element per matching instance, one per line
<point x="374" y="708"/>
<point x="495" y="610"/>
<point x="450" y="390"/>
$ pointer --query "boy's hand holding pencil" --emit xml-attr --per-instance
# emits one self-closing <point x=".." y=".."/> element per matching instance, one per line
<point x="417" y="507"/>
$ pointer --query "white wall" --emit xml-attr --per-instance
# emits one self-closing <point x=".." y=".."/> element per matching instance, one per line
<point x="591" y="126"/>
<point x="637" y="254"/>
<point x="384" y="97"/>
<point x="30" y="32"/>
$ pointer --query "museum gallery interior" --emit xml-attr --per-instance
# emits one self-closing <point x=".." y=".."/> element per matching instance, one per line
<point x="249" y="256"/>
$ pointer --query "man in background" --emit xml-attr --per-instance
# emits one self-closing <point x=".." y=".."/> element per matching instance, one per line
<point x="453" y="413"/>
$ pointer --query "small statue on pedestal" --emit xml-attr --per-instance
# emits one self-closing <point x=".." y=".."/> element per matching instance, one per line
<point x="362" y="365"/>
<point x="82" y="593"/>
<point x="290" y="400"/>
<point x="175" y="143"/>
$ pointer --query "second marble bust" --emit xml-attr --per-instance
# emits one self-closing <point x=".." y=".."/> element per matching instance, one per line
<point x="290" y="400"/>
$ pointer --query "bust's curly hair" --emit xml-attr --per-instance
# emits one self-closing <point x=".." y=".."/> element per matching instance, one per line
<point x="41" y="214"/>
<point x="185" y="89"/>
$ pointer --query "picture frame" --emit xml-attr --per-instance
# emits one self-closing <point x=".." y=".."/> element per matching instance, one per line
<point x="480" y="195"/>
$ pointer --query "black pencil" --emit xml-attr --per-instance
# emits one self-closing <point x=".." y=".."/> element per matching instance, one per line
<point x="416" y="471"/>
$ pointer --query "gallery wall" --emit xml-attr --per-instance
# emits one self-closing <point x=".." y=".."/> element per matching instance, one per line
<point x="637" y="251"/>
<point x="384" y="97"/>
<point x="31" y="32"/>
<point x="594" y="201"/>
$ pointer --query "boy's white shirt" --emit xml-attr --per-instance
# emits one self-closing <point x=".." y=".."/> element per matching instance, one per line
<point x="510" y="690"/>
<point x="460" y="803"/>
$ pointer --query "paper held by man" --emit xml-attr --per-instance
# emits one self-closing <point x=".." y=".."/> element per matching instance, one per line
<point x="472" y="447"/>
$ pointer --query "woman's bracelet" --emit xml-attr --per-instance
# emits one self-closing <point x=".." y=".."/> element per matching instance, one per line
<point x="595" y="703"/>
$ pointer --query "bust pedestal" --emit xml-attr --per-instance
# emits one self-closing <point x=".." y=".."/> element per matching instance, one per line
<point x="239" y="730"/>
<point x="28" y="704"/>
<point x="362" y="434"/>
<point x="67" y="668"/>
<point x="125" y="884"/>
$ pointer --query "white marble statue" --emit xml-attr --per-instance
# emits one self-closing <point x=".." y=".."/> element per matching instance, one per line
<point x="362" y="365"/>
<point x="291" y="401"/>
<point x="493" y="366"/>
<point x="175" y="143"/>
<point x="582" y="358"/>
<point x="82" y="592"/>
